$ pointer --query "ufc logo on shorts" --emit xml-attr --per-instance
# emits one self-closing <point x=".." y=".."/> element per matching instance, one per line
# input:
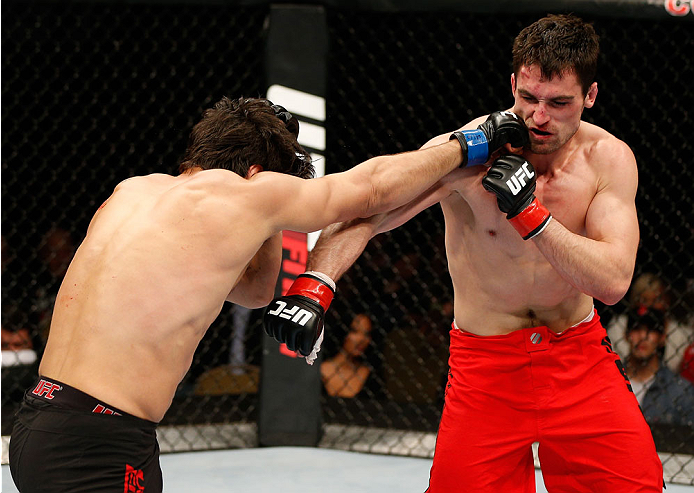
<point x="101" y="409"/>
<point x="133" y="480"/>
<point x="46" y="389"/>
<point x="295" y="314"/>
<point x="517" y="181"/>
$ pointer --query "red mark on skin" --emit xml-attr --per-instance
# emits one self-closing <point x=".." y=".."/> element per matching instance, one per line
<point x="491" y="233"/>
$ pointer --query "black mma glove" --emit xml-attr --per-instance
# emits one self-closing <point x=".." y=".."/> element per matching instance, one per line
<point x="296" y="319"/>
<point x="512" y="179"/>
<point x="501" y="127"/>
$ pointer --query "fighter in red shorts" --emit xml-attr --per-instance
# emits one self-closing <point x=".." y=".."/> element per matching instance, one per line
<point x="531" y="241"/>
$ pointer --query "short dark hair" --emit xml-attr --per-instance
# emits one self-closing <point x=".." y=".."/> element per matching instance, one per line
<point x="235" y="134"/>
<point x="559" y="43"/>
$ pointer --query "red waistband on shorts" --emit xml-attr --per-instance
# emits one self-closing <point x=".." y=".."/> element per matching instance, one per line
<point x="62" y="395"/>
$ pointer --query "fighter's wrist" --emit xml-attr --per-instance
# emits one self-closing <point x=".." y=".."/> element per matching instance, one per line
<point x="475" y="146"/>
<point x="532" y="220"/>
<point x="313" y="287"/>
<point x="323" y="277"/>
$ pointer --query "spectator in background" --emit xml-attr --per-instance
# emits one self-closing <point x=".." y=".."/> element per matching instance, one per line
<point x="688" y="364"/>
<point x="679" y="347"/>
<point x="14" y="339"/>
<point x="16" y="325"/>
<point x="664" y="397"/>
<point x="345" y="374"/>
<point x="647" y="290"/>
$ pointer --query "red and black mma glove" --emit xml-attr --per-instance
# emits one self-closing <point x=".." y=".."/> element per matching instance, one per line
<point x="296" y="319"/>
<point x="512" y="179"/>
<point x="500" y="128"/>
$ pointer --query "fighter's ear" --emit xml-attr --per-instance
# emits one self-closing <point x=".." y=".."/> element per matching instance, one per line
<point x="592" y="94"/>
<point x="255" y="168"/>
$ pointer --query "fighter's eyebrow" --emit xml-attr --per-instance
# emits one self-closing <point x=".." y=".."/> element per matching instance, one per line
<point x="556" y="99"/>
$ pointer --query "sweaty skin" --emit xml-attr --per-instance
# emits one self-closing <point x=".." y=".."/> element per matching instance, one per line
<point x="164" y="252"/>
<point x="587" y="179"/>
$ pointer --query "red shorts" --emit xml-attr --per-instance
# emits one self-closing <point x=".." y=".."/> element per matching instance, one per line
<point x="566" y="391"/>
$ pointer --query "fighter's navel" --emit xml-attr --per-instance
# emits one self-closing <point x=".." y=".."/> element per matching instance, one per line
<point x="491" y="232"/>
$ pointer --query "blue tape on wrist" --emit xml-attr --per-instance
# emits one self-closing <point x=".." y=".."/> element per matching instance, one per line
<point x="477" y="147"/>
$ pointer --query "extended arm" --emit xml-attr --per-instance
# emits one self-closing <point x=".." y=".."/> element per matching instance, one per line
<point x="382" y="183"/>
<point x="341" y="244"/>
<point x="375" y="186"/>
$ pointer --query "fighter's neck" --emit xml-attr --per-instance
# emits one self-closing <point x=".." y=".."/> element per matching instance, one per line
<point x="550" y="164"/>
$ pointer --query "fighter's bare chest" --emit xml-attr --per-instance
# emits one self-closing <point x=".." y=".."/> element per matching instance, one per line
<point x="473" y="210"/>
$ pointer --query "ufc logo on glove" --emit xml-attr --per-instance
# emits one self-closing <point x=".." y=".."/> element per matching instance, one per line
<point x="295" y="313"/>
<point x="517" y="181"/>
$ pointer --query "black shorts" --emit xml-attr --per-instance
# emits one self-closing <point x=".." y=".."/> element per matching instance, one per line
<point x="66" y="441"/>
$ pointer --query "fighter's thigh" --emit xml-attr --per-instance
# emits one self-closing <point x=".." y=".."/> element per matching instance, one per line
<point x="19" y="437"/>
<point x="46" y="463"/>
<point x="598" y="437"/>
<point x="621" y="461"/>
<point x="482" y="449"/>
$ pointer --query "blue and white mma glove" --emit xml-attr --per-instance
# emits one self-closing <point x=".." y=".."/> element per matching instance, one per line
<point x="500" y="128"/>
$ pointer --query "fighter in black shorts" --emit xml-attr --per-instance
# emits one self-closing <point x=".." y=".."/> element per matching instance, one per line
<point x="101" y="449"/>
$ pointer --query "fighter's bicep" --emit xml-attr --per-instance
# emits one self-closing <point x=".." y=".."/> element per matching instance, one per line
<point x="611" y="217"/>
<point x="309" y="205"/>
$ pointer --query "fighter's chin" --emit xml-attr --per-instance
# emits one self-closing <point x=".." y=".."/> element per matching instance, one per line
<point x="539" y="148"/>
<point x="543" y="147"/>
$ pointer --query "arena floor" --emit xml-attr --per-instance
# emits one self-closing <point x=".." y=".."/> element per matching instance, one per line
<point x="295" y="470"/>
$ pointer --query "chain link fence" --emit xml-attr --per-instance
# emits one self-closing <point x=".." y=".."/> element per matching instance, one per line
<point x="95" y="93"/>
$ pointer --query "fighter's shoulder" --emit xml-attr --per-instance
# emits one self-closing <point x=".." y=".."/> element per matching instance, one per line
<point x="265" y="190"/>
<point x="611" y="158"/>
<point x="601" y="141"/>
<point x="141" y="182"/>
<point x="273" y="185"/>
<point x="604" y="148"/>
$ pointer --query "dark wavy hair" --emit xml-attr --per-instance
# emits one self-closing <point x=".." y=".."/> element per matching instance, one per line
<point x="559" y="43"/>
<point x="235" y="134"/>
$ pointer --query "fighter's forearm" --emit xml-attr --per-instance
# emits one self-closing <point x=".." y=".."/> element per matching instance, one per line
<point x="340" y="245"/>
<point x="398" y="179"/>
<point x="596" y="268"/>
